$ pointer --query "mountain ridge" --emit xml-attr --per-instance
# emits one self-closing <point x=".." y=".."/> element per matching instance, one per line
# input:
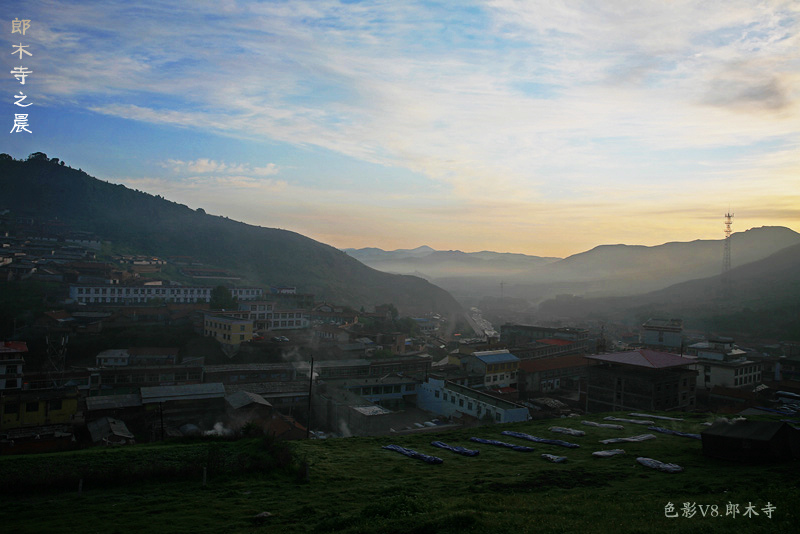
<point x="153" y="225"/>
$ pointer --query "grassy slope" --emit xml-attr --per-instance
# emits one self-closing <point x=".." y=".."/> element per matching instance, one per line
<point x="356" y="486"/>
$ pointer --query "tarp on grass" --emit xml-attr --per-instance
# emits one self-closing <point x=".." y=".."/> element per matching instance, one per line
<point x="518" y="448"/>
<point x="414" y="454"/>
<point x="570" y="431"/>
<point x="540" y="440"/>
<point x="674" y="432"/>
<point x="608" y="454"/>
<point x="555" y="459"/>
<point x="457" y="450"/>
<point x="641" y="437"/>
<point x="663" y="417"/>
<point x="603" y="425"/>
<point x="635" y="421"/>
<point x="661" y="466"/>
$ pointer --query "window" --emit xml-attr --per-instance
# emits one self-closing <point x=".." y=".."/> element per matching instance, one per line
<point x="497" y="416"/>
<point x="436" y="394"/>
<point x="54" y="404"/>
<point x="452" y="399"/>
<point x="11" y="407"/>
<point x="32" y="406"/>
<point x="444" y="397"/>
<point x="461" y="402"/>
<point x="469" y="406"/>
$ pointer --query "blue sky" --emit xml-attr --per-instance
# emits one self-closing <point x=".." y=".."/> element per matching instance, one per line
<point x="540" y="127"/>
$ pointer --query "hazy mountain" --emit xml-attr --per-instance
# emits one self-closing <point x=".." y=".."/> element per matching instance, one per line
<point x="762" y="298"/>
<point x="606" y="270"/>
<point x="138" y="222"/>
<point x="447" y="263"/>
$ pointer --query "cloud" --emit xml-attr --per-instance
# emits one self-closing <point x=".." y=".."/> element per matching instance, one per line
<point x="569" y="109"/>
<point x="209" y="166"/>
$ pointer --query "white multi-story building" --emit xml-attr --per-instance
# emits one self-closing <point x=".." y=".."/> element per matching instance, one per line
<point x="141" y="294"/>
<point x="721" y="363"/>
<point x="447" y="398"/>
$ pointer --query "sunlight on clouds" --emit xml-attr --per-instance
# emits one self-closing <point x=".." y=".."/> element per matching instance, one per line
<point x="564" y="123"/>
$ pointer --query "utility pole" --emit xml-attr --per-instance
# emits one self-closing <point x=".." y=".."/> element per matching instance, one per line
<point x="310" y="384"/>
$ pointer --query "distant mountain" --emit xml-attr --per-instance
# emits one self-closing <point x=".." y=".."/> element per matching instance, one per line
<point x="141" y="223"/>
<point x="762" y="298"/>
<point x="447" y="263"/>
<point x="606" y="270"/>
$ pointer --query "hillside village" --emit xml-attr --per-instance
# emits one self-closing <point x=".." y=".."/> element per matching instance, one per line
<point x="292" y="366"/>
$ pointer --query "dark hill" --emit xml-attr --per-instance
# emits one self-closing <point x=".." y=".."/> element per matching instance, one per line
<point x="763" y="299"/>
<point x="139" y="222"/>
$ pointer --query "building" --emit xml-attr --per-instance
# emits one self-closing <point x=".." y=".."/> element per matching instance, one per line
<point x="93" y="293"/>
<point x="229" y="331"/>
<point x="663" y="333"/>
<point x="38" y="408"/>
<point x="543" y="375"/>
<point x="498" y="368"/>
<point x="453" y="400"/>
<point x="721" y="363"/>
<point x="391" y="391"/>
<point x="641" y="379"/>
<point x="513" y="335"/>
<point x="113" y="358"/>
<point x="11" y="364"/>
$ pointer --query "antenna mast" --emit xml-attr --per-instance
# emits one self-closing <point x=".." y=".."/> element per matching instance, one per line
<point x="726" y="256"/>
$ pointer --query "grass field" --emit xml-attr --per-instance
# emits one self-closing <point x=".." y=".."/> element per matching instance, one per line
<point x="355" y="486"/>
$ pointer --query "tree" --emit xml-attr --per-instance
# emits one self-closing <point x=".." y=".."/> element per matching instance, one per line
<point x="221" y="299"/>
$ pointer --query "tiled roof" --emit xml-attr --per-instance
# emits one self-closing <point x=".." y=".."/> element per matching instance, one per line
<point x="646" y="358"/>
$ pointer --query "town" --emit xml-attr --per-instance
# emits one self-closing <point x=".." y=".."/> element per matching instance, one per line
<point x="133" y="348"/>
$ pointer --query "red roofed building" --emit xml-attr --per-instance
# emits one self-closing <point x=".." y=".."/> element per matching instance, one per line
<point x="640" y="380"/>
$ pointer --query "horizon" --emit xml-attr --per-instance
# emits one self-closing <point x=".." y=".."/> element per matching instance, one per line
<point x="534" y="127"/>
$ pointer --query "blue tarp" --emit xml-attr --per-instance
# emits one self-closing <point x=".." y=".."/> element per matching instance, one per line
<point x="519" y="448"/>
<point x="540" y="440"/>
<point x="673" y="432"/>
<point x="414" y="454"/>
<point x="457" y="450"/>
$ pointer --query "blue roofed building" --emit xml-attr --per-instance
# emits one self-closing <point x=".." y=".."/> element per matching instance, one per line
<point x="497" y="367"/>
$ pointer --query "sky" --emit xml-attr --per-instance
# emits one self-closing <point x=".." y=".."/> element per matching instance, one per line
<point x="537" y="127"/>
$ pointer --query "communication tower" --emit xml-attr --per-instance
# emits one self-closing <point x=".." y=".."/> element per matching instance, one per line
<point x="726" y="255"/>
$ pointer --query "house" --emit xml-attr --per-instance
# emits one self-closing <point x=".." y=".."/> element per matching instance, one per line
<point x="176" y="405"/>
<point x="751" y="441"/>
<point x="247" y="407"/>
<point x="11" y="364"/>
<point x="513" y="335"/>
<point x="453" y="400"/>
<point x="328" y="333"/>
<point x="663" y="333"/>
<point x="153" y="355"/>
<point x="640" y="379"/>
<point x="498" y="368"/>
<point x="38" y="408"/>
<point x="229" y="331"/>
<point x="113" y="358"/>
<point x="110" y="431"/>
<point x="721" y="363"/>
<point x="543" y="375"/>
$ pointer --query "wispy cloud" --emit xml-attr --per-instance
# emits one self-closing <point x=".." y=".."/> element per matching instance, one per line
<point x="562" y="106"/>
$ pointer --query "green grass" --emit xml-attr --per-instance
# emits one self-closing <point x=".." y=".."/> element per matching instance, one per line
<point x="357" y="487"/>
